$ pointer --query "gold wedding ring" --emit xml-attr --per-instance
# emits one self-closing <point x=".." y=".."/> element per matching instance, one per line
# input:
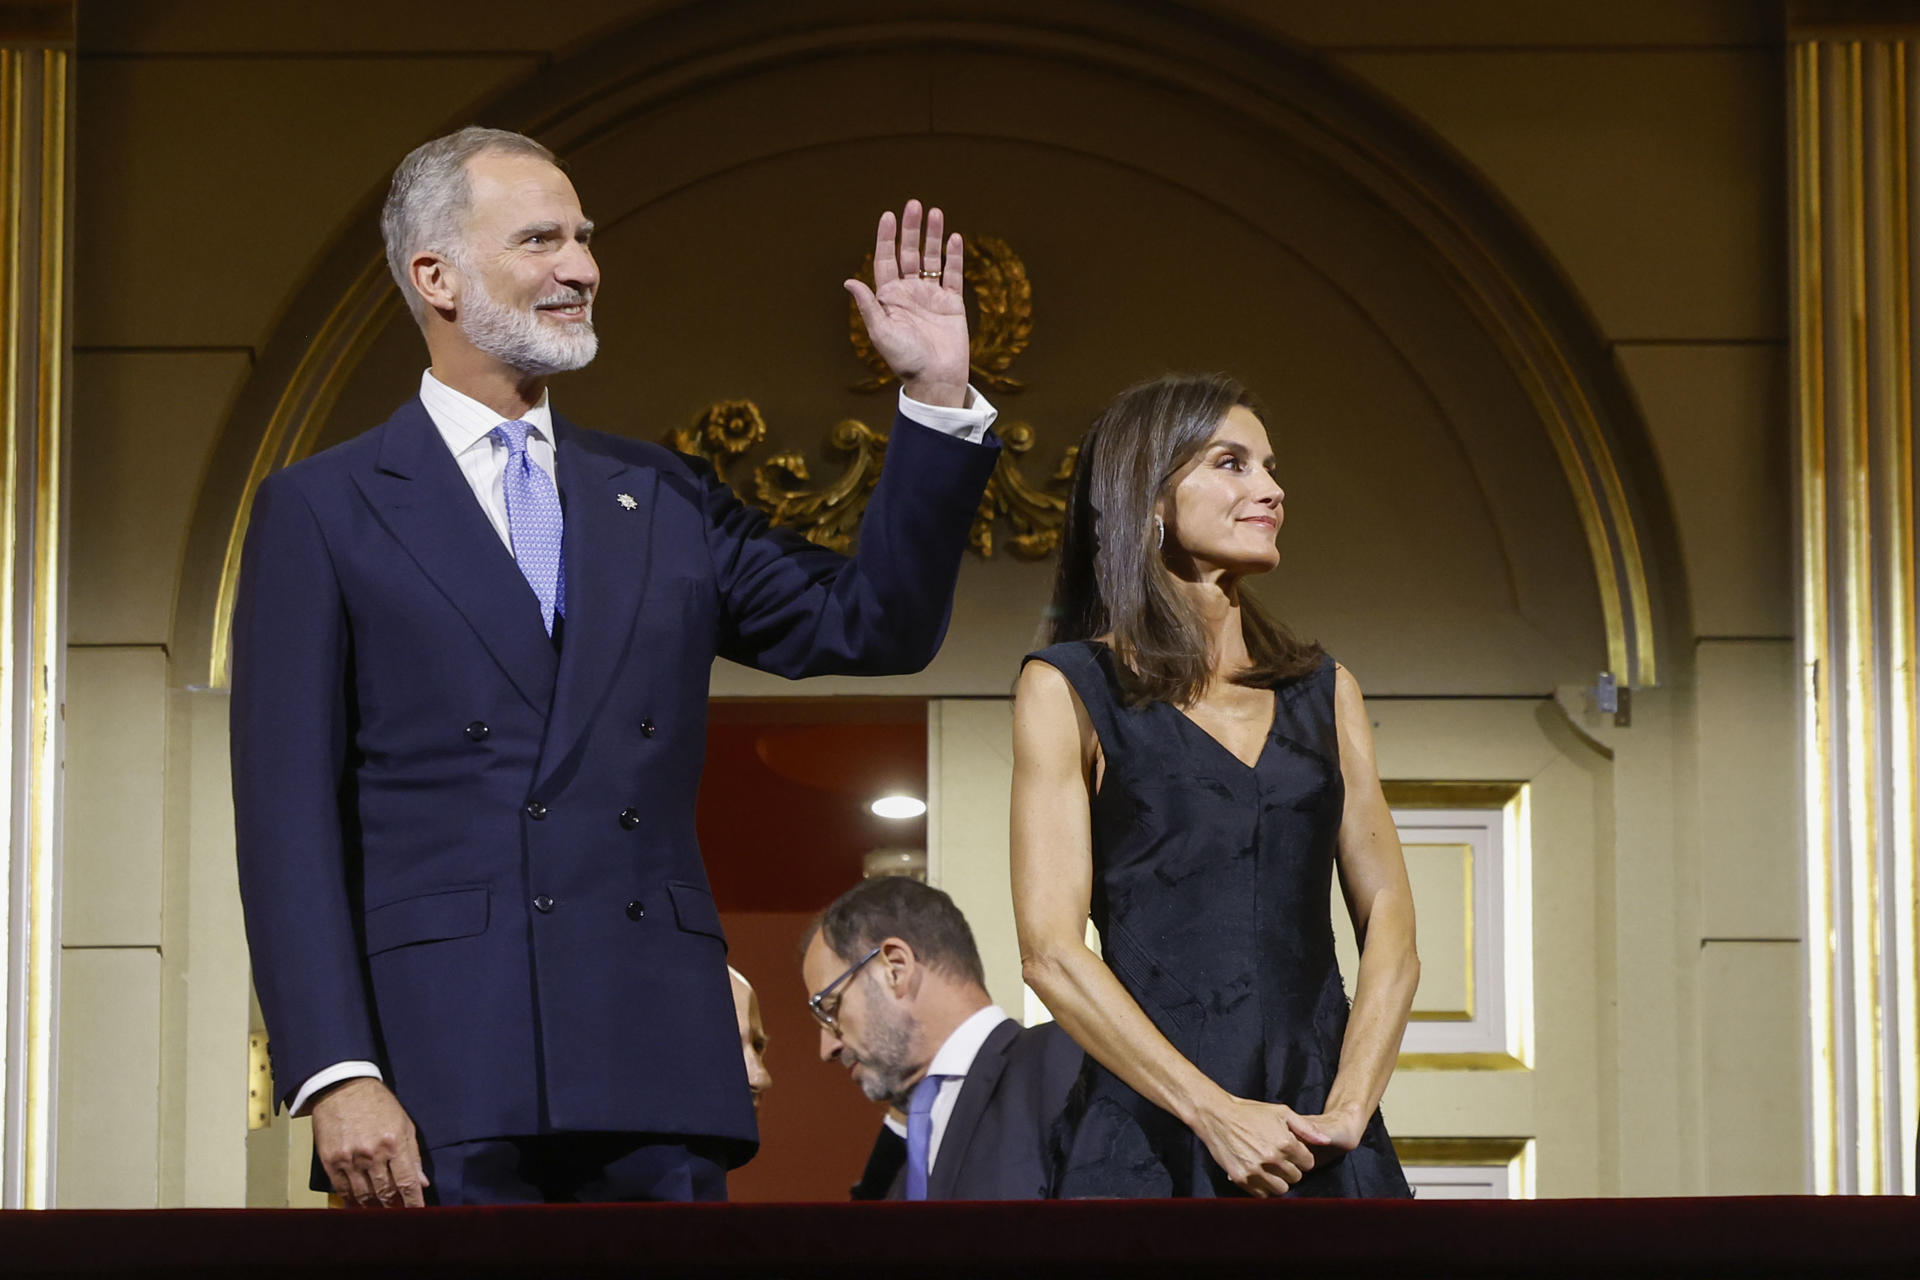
<point x="929" y="275"/>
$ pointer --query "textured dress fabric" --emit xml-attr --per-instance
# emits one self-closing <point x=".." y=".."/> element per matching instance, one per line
<point x="1211" y="889"/>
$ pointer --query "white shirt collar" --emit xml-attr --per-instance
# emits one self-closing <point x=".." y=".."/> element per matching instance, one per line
<point x="464" y="421"/>
<point x="956" y="1056"/>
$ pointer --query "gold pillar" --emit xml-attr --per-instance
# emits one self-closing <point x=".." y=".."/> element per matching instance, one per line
<point x="36" y="60"/>
<point x="1856" y="101"/>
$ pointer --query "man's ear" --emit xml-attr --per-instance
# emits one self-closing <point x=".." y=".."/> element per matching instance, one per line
<point x="901" y="964"/>
<point x="435" y="279"/>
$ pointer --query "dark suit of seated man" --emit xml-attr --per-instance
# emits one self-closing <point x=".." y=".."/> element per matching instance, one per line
<point x="902" y="1004"/>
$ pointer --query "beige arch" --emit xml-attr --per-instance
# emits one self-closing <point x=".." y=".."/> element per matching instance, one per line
<point x="1519" y="300"/>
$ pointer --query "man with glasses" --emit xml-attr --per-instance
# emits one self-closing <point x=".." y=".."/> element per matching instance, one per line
<point x="902" y="1004"/>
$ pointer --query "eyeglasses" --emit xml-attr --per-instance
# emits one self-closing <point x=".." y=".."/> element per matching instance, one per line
<point x="824" y="1005"/>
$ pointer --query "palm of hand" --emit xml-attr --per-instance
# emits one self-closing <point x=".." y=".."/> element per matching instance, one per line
<point x="921" y="328"/>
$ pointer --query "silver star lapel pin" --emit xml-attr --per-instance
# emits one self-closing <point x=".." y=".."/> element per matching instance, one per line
<point x="626" y="500"/>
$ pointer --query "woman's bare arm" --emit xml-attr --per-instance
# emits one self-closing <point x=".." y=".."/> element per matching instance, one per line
<point x="1373" y="877"/>
<point x="1055" y="755"/>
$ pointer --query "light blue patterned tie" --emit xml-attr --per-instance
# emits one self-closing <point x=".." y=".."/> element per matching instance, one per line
<point x="533" y="522"/>
<point x="920" y="1134"/>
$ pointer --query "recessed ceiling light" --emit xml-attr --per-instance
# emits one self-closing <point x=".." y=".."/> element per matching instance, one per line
<point x="899" y="807"/>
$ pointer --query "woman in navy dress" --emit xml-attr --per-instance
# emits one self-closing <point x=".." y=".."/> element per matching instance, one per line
<point x="1191" y="777"/>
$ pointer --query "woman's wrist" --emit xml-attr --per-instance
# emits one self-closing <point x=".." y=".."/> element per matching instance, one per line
<point x="1195" y="1108"/>
<point x="1351" y="1110"/>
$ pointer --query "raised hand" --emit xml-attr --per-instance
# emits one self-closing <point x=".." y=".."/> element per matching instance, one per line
<point x="915" y="313"/>
<point x="366" y="1144"/>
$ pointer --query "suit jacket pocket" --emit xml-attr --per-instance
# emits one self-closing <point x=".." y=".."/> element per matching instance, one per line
<point x="694" y="908"/>
<point x="431" y="917"/>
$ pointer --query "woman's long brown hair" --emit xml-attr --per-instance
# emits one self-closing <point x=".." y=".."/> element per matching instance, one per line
<point x="1112" y="581"/>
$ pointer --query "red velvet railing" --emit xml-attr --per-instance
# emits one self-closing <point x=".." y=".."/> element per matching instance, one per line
<point x="1316" y="1239"/>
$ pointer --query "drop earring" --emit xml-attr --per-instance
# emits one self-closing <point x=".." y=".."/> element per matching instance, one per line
<point x="1159" y="534"/>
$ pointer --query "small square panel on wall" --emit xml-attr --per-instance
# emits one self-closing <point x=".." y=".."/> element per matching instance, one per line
<point x="1468" y="859"/>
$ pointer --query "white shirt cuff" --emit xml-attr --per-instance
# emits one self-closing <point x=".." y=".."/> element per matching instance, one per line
<point x="331" y="1075"/>
<point x="969" y="423"/>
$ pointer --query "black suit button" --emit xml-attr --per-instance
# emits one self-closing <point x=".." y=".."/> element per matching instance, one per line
<point x="629" y="818"/>
<point x="478" y="731"/>
<point x="536" y="810"/>
<point x="543" y="904"/>
<point x="646" y="728"/>
<point x="636" y="910"/>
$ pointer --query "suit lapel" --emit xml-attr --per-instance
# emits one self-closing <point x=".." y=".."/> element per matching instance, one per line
<point x="983" y="1077"/>
<point x="607" y="552"/>
<point x="420" y="495"/>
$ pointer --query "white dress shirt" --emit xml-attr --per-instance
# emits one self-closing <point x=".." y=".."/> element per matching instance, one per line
<point x="953" y="1061"/>
<point x="467" y="426"/>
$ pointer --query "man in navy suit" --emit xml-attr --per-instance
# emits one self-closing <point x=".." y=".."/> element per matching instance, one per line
<point x="901" y="999"/>
<point x="470" y="667"/>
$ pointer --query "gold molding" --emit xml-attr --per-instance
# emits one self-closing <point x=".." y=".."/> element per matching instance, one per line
<point x="12" y="111"/>
<point x="1463" y="1152"/>
<point x="1853" y="281"/>
<point x="1513" y="801"/>
<point x="1897" y="495"/>
<point x="1416" y="794"/>
<point x="1815" y="659"/>
<point x="1038" y="516"/>
<point x="1490" y="1061"/>
<point x="1003" y="303"/>
<point x="49" y="624"/>
<point x="1510" y="319"/>
<point x="259" y="1082"/>
<point x="1515" y="1155"/>
<point x="35" y="153"/>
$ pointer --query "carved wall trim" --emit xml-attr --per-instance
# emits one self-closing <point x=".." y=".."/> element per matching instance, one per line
<point x="1003" y="301"/>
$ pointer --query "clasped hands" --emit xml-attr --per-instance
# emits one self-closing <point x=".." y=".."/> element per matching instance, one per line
<point x="1266" y="1147"/>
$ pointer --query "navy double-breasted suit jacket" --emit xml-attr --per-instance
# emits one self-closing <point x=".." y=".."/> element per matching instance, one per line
<point x="469" y="856"/>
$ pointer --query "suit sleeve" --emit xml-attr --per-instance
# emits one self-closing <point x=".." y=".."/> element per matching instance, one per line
<point x="796" y="609"/>
<point x="289" y="744"/>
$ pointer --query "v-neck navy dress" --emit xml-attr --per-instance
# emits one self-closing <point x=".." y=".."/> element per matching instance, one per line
<point x="1211" y="893"/>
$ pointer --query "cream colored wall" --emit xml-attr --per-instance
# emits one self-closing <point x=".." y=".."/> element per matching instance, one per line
<point x="1641" y="143"/>
<point x="969" y="768"/>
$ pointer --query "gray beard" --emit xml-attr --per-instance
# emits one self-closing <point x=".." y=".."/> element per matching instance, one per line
<point x="887" y="1064"/>
<point x="520" y="339"/>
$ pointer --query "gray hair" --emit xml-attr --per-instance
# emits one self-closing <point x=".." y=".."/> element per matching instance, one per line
<point x="427" y="204"/>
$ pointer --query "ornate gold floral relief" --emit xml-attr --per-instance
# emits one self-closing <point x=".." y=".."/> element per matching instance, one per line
<point x="1002" y="329"/>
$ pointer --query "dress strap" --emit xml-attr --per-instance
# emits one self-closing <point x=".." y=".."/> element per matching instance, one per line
<point x="1304" y="713"/>
<point x="1081" y="662"/>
